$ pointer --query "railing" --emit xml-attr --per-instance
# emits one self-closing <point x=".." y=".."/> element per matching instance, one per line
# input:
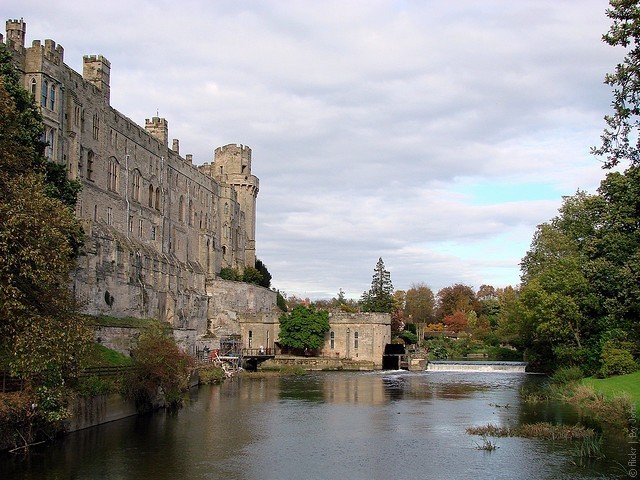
<point x="257" y="352"/>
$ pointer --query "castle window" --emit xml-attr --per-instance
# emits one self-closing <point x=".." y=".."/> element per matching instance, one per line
<point x="95" y="213"/>
<point x="157" y="198"/>
<point x="96" y="126"/>
<point x="45" y="92"/>
<point x="333" y="340"/>
<point x="140" y="225"/>
<point x="109" y="216"/>
<point x="130" y="224"/>
<point x="153" y="232"/>
<point x="226" y="230"/>
<point x="226" y="208"/>
<point x="355" y="340"/>
<point x="49" y="150"/>
<point x="136" y="185"/>
<point x="250" y="338"/>
<point x="52" y="98"/>
<point x="90" y="165"/>
<point x="200" y="219"/>
<point x="151" y="196"/>
<point x="33" y="87"/>
<point x="114" y="170"/>
<point x="181" y="209"/>
<point x="190" y="213"/>
<point x="76" y="116"/>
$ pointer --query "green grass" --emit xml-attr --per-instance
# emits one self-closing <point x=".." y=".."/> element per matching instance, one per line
<point x="101" y="356"/>
<point x="612" y="386"/>
<point x="108" y="321"/>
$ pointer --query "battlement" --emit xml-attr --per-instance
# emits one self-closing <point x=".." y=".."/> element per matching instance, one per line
<point x="52" y="52"/>
<point x="232" y="159"/>
<point x="158" y="128"/>
<point x="97" y="70"/>
<point x="16" y="32"/>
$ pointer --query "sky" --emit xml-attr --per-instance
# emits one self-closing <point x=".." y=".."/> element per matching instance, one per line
<point x="434" y="134"/>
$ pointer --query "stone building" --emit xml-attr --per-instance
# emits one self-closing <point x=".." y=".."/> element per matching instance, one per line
<point x="158" y="228"/>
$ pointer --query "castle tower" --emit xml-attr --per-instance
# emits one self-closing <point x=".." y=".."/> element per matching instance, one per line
<point x="232" y="166"/>
<point x="97" y="70"/>
<point x="16" y="32"/>
<point x="158" y="128"/>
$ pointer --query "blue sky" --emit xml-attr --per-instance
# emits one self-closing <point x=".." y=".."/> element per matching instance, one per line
<point x="431" y="133"/>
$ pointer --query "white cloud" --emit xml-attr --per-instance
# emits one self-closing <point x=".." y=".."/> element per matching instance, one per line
<point x="378" y="127"/>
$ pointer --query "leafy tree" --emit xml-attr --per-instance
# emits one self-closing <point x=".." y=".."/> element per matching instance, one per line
<point x="303" y="328"/>
<point x="266" y="276"/>
<point x="42" y="336"/>
<point x="457" y="298"/>
<point x="281" y="302"/>
<point x="379" y="298"/>
<point x="230" y="274"/>
<point x="456" y="322"/>
<point x="620" y="140"/>
<point x="420" y="304"/>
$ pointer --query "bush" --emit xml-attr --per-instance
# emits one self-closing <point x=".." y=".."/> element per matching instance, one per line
<point x="159" y="365"/>
<point x="566" y="375"/>
<point x="501" y="353"/>
<point x="252" y="275"/>
<point x="211" y="374"/>
<point x="409" y="337"/>
<point x="229" y="274"/>
<point x="616" y="361"/>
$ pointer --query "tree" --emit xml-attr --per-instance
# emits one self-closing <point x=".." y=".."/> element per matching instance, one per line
<point x="266" y="276"/>
<point x="303" y="328"/>
<point x="379" y="298"/>
<point x="41" y="334"/>
<point x="420" y="304"/>
<point x="620" y="140"/>
<point x="457" y="298"/>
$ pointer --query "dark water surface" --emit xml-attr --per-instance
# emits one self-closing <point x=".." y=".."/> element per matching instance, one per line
<point x="372" y="426"/>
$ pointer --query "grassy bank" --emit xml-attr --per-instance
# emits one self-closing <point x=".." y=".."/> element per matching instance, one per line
<point x="615" y="386"/>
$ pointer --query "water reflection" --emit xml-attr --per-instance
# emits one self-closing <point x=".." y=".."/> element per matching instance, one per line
<point x="337" y="425"/>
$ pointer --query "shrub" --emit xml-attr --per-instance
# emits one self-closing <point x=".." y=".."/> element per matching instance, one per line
<point x="229" y="274"/>
<point x="252" y="275"/>
<point x="616" y="361"/>
<point x="211" y="374"/>
<point x="159" y="365"/>
<point x="565" y="375"/>
<point x="409" y="337"/>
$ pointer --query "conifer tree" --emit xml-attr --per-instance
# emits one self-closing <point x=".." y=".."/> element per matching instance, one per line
<point x="379" y="298"/>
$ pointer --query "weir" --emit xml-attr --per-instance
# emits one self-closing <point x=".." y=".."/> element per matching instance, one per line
<point x="476" y="366"/>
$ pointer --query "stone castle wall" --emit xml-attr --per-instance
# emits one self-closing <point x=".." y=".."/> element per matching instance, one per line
<point x="157" y="227"/>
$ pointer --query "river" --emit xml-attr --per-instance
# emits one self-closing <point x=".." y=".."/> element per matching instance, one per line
<point x="374" y="425"/>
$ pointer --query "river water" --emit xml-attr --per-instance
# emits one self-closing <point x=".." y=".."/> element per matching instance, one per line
<point x="375" y="425"/>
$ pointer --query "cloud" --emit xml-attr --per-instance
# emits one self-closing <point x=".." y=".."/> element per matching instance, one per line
<point x="434" y="134"/>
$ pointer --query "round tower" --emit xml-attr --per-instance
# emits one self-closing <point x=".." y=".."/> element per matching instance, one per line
<point x="16" y="32"/>
<point x="232" y="165"/>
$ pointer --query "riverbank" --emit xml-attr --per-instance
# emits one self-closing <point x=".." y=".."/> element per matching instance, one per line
<point x="614" y="386"/>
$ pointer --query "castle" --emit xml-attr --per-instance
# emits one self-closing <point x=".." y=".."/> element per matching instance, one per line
<point x="158" y="228"/>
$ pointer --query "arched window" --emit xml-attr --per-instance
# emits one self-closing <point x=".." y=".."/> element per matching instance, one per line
<point x="45" y="92"/>
<point x="151" y="196"/>
<point x="33" y="87"/>
<point x="157" y="198"/>
<point x="190" y="213"/>
<point x="135" y="184"/>
<point x="225" y="230"/>
<point x="181" y="209"/>
<point x="52" y="97"/>
<point x="114" y="174"/>
<point x="226" y="208"/>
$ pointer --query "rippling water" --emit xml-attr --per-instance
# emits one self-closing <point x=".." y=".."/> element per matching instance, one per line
<point x="382" y="425"/>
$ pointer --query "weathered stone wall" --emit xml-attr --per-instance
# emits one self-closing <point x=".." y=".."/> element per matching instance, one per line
<point x="358" y="336"/>
<point x="237" y="308"/>
<point x="157" y="226"/>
